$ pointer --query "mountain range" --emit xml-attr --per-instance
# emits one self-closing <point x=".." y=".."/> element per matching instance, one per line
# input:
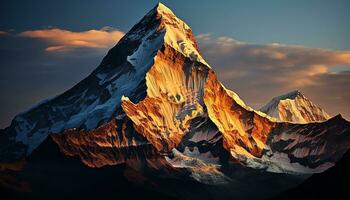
<point x="154" y="115"/>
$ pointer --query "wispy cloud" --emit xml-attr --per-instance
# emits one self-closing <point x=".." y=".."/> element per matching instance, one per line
<point x="261" y="71"/>
<point x="62" y="40"/>
<point x="3" y="33"/>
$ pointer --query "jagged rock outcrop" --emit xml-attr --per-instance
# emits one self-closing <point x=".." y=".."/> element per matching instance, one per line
<point x="110" y="144"/>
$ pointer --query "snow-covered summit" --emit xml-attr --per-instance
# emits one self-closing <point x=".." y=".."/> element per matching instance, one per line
<point x="161" y="8"/>
<point x="294" y="107"/>
<point x="291" y="95"/>
<point x="178" y="34"/>
<point x="175" y="33"/>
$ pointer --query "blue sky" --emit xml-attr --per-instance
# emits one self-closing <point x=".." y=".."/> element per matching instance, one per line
<point x="313" y="23"/>
<point x="311" y="51"/>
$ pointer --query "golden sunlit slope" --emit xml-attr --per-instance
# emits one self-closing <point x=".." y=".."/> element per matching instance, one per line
<point x="244" y="132"/>
<point x="174" y="97"/>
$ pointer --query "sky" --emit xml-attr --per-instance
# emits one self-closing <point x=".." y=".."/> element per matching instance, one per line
<point x="259" y="49"/>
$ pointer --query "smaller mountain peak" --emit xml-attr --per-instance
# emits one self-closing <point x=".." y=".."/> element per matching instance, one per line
<point x="294" y="107"/>
<point x="339" y="116"/>
<point x="337" y="119"/>
<point x="295" y="92"/>
<point x="290" y="95"/>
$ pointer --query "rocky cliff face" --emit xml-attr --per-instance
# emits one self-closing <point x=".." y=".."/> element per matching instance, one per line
<point x="112" y="143"/>
<point x="154" y="95"/>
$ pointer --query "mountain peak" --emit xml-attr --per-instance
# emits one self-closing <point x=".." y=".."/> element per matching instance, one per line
<point x="290" y="95"/>
<point x="294" y="107"/>
<point x="295" y="93"/>
<point x="124" y="70"/>
<point x="154" y="89"/>
<point x="163" y="9"/>
<point x="178" y="34"/>
<point x="173" y="32"/>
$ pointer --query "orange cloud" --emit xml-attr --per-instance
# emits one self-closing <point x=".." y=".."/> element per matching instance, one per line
<point x="61" y="40"/>
<point x="289" y="64"/>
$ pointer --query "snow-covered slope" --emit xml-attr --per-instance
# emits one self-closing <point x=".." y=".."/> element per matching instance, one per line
<point x="294" y="107"/>
<point x="154" y="94"/>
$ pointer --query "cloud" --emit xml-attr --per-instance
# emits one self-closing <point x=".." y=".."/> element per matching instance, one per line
<point x="62" y="40"/>
<point x="3" y="33"/>
<point x="260" y="71"/>
<point x="29" y="75"/>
